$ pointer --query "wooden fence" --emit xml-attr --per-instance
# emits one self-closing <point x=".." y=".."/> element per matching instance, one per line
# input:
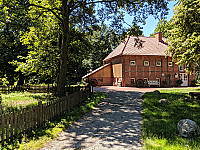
<point x="30" y="88"/>
<point x="49" y="88"/>
<point x="27" y="119"/>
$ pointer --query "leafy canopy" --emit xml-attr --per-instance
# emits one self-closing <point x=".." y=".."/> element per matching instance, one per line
<point x="162" y="26"/>
<point x="184" y="37"/>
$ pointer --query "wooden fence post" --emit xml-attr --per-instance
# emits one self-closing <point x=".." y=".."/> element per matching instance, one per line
<point x="67" y="102"/>
<point x="7" y="127"/>
<point x="15" y="124"/>
<point x="2" y="128"/>
<point x="11" y="126"/>
<point x="39" y="113"/>
<point x="23" y="120"/>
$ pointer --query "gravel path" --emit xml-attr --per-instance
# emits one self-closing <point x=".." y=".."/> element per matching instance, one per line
<point x="114" y="124"/>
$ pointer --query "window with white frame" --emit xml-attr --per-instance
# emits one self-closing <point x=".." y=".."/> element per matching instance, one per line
<point x="181" y="68"/>
<point x="146" y="63"/>
<point x="158" y="63"/>
<point x="169" y="63"/>
<point x="158" y="79"/>
<point x="145" y="80"/>
<point x="132" y="80"/>
<point x="132" y="63"/>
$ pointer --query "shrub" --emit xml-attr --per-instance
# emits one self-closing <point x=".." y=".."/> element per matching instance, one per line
<point x="4" y="81"/>
<point x="179" y="82"/>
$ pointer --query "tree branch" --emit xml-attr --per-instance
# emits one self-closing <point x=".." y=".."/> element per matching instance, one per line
<point x="77" y="4"/>
<point x="51" y="10"/>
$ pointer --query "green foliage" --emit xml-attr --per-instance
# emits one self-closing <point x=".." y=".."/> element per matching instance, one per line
<point x="184" y="37"/>
<point x="103" y="39"/>
<point x="55" y="21"/>
<point x="163" y="26"/>
<point x="13" y="21"/>
<point x="16" y="101"/>
<point x="36" y="139"/>
<point x="160" y="120"/>
<point x="4" y="81"/>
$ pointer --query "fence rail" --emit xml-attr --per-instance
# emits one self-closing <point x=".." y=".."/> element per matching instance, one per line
<point x="49" y="88"/>
<point x="16" y="123"/>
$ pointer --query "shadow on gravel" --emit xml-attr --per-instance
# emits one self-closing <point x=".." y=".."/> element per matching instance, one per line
<point x="115" y="122"/>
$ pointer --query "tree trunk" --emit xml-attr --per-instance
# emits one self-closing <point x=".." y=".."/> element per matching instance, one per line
<point x="64" y="50"/>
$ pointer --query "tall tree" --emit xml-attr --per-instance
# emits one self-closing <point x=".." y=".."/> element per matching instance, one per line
<point x="104" y="39"/>
<point x="162" y="26"/>
<point x="184" y="37"/>
<point x="12" y="23"/>
<point x="73" y="13"/>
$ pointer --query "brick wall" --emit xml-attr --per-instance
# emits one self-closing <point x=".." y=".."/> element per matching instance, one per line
<point x="151" y="72"/>
<point x="103" y="80"/>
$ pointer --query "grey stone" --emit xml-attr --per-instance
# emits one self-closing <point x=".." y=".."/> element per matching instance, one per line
<point x="188" y="128"/>
<point x="163" y="101"/>
<point x="156" y="92"/>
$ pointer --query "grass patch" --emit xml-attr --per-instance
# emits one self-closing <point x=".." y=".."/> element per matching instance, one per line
<point x="160" y="120"/>
<point x="38" y="138"/>
<point x="19" y="100"/>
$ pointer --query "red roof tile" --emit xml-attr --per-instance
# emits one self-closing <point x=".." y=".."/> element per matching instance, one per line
<point x="118" y="50"/>
<point x="150" y="46"/>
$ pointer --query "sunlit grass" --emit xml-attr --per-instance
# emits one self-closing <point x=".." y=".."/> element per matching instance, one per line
<point x="39" y="137"/>
<point x="160" y="120"/>
<point x="18" y="100"/>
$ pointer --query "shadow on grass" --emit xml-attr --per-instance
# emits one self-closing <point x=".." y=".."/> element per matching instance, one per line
<point x="160" y="120"/>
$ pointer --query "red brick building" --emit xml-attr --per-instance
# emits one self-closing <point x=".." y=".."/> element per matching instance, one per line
<point x="140" y="62"/>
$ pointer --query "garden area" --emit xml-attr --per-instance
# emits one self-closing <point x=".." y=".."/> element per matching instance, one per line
<point x="18" y="100"/>
<point x="160" y="120"/>
<point x="54" y="117"/>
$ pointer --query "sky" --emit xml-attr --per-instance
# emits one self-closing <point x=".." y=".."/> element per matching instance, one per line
<point x="151" y="23"/>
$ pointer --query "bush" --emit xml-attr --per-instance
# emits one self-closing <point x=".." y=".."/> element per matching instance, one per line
<point x="179" y="82"/>
<point x="4" y="81"/>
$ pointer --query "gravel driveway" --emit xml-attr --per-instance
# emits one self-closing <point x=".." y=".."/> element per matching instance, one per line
<point x="114" y="124"/>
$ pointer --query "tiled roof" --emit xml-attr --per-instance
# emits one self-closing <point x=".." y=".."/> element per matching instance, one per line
<point x="150" y="46"/>
<point x="118" y="50"/>
<point x="95" y="70"/>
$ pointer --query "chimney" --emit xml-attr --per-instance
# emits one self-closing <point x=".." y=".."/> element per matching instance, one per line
<point x="90" y="70"/>
<point x="158" y="36"/>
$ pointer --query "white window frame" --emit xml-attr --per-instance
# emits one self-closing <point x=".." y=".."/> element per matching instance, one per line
<point x="158" y="63"/>
<point x="146" y="79"/>
<point x="133" y="79"/>
<point x="158" y="79"/>
<point x="179" y="67"/>
<point x="146" y="62"/>
<point x="170" y="63"/>
<point x="132" y="62"/>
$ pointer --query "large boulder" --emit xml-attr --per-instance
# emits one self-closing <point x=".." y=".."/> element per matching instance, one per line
<point x="188" y="128"/>
<point x="163" y="101"/>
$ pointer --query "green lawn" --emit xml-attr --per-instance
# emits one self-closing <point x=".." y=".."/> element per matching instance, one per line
<point x="39" y="137"/>
<point x="160" y="120"/>
<point x="18" y="100"/>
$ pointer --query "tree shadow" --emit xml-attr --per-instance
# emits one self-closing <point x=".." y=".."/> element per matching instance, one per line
<point x="160" y="120"/>
<point x="115" y="122"/>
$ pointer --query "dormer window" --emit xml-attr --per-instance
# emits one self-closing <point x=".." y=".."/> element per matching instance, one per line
<point x="146" y="63"/>
<point x="132" y="63"/>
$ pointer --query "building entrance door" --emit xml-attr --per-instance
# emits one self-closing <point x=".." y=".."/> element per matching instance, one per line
<point x="184" y="78"/>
